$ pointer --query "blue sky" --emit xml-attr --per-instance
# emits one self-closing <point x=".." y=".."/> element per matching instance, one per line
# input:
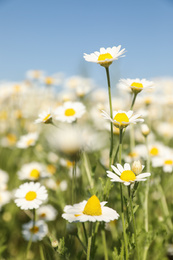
<point x="52" y="35"/>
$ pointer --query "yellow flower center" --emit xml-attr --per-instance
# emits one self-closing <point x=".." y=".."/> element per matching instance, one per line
<point x="137" y="85"/>
<point x="35" y="174"/>
<point x="30" y="195"/>
<point x="3" y="115"/>
<point x="17" y="88"/>
<point x="34" y="229"/>
<point x="127" y="175"/>
<point x="121" y="117"/>
<point x="46" y="117"/>
<point x="70" y="164"/>
<point x="70" y="112"/>
<point x="42" y="215"/>
<point x="36" y="74"/>
<point x="133" y="154"/>
<point x="11" y="138"/>
<point x="105" y="56"/>
<point x="49" y="81"/>
<point x="51" y="168"/>
<point x="30" y="142"/>
<point x="169" y="162"/>
<point x="93" y="207"/>
<point x="154" y="151"/>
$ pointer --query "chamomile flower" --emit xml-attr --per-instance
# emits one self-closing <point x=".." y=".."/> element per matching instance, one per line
<point x="165" y="161"/>
<point x="106" y="56"/>
<point x="30" y="195"/>
<point x="126" y="175"/>
<point x="36" y="232"/>
<point x="44" y="117"/>
<point x="32" y="171"/>
<point x="91" y="210"/>
<point x="122" y="119"/>
<point x="136" y="85"/>
<point x="28" y="140"/>
<point x="47" y="213"/>
<point x="69" y="112"/>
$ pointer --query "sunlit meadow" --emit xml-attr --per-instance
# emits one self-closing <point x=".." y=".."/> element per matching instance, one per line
<point x="86" y="172"/>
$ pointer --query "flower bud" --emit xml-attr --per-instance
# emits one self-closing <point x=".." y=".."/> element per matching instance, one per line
<point x="137" y="167"/>
<point x="145" y="130"/>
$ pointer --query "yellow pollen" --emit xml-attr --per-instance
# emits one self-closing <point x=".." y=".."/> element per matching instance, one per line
<point x="137" y="85"/>
<point x="30" y="195"/>
<point x="154" y="151"/>
<point x="30" y="142"/>
<point x="105" y="56"/>
<point x="127" y="175"/>
<point x="49" y="81"/>
<point x="46" y="118"/>
<point x="93" y="207"/>
<point x="34" y="229"/>
<point x="70" y="112"/>
<point x="121" y="117"/>
<point x="35" y="174"/>
<point x="169" y="162"/>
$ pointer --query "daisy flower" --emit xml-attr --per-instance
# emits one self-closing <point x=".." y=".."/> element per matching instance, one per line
<point x="165" y="161"/>
<point x="47" y="213"/>
<point x="36" y="232"/>
<point x="30" y="195"/>
<point x="70" y="111"/>
<point x="91" y="210"/>
<point x="106" y="56"/>
<point x="126" y="175"/>
<point x="44" y="117"/>
<point x="136" y="85"/>
<point x="28" y="140"/>
<point x="122" y="119"/>
<point x="32" y="171"/>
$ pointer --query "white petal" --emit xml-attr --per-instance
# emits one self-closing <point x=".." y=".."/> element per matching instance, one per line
<point x="115" y="170"/>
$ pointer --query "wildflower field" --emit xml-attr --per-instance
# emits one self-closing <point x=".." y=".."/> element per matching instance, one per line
<point x="86" y="172"/>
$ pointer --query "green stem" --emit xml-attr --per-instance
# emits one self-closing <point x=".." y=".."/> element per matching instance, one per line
<point x="133" y="101"/>
<point x="41" y="253"/>
<point x="120" y="144"/>
<point x="34" y="217"/>
<point x="111" y="115"/>
<point x="146" y="189"/>
<point x="165" y="207"/>
<point x="29" y="246"/>
<point x="123" y="222"/>
<point x="85" y="233"/>
<point x="134" y="223"/>
<point x="146" y="200"/>
<point x="89" y="242"/>
<point x="73" y="188"/>
<point x="122" y="204"/>
<point x="104" y="244"/>
<point x="82" y="244"/>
